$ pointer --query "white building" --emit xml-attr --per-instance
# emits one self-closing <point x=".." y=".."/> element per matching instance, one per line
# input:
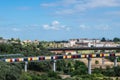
<point x="84" y="42"/>
<point x="3" y="40"/>
<point x="72" y="42"/>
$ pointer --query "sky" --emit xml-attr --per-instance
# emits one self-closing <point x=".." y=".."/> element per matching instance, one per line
<point x="59" y="19"/>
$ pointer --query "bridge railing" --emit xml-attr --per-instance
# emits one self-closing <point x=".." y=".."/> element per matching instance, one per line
<point x="57" y="57"/>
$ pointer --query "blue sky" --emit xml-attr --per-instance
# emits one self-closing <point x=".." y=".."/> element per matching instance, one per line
<point x="59" y="19"/>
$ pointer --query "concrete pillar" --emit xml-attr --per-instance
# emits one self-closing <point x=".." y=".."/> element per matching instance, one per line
<point x="89" y="65"/>
<point x="54" y="65"/>
<point x="76" y="51"/>
<point x="103" y="60"/>
<point x="26" y="63"/>
<point x="64" y="52"/>
<point x="115" y="61"/>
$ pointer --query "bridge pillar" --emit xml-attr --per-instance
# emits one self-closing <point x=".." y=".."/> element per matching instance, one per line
<point x="54" y="65"/>
<point x="89" y="65"/>
<point x="26" y="63"/>
<point x="64" y="52"/>
<point x="103" y="60"/>
<point x="76" y="51"/>
<point x="115" y="61"/>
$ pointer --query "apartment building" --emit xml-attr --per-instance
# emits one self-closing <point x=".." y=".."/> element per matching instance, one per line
<point x="3" y="40"/>
<point x="84" y="42"/>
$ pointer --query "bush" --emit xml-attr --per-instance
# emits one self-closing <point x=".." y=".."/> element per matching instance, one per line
<point x="10" y="71"/>
<point x="44" y="66"/>
<point x="97" y="70"/>
<point x="117" y="71"/>
<point x="53" y="74"/>
<point x="89" y="77"/>
<point x="96" y="62"/>
<point x="25" y="76"/>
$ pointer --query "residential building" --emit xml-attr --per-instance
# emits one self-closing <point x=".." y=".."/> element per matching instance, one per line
<point x="84" y="42"/>
<point x="3" y="40"/>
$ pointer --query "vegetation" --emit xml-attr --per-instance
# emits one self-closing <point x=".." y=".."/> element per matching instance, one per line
<point x="116" y="39"/>
<point x="10" y="71"/>
<point x="43" y="70"/>
<point x="103" y="39"/>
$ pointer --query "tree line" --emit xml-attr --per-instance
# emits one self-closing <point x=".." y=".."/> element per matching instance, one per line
<point x="116" y="39"/>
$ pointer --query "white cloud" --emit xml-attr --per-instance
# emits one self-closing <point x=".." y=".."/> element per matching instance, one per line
<point x="15" y="29"/>
<point x="48" y="5"/>
<point x="84" y="27"/>
<point x="103" y="27"/>
<point x="66" y="11"/>
<point x="102" y="3"/>
<point x="55" y="25"/>
<point x="61" y="3"/>
<point x="74" y="6"/>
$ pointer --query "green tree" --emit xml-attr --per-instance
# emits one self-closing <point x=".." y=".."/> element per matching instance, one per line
<point x="53" y="74"/>
<point x="103" y="39"/>
<point x="25" y="76"/>
<point x="97" y="70"/>
<point x="117" y="71"/>
<point x="1" y="38"/>
<point x="80" y="68"/>
<point x="116" y="39"/>
<point x="44" y="66"/>
<point x="9" y="71"/>
<point x="61" y="64"/>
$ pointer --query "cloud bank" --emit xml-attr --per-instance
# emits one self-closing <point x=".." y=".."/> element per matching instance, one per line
<point x="55" y="25"/>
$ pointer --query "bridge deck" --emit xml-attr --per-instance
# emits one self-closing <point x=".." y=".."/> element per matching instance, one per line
<point x="56" y="57"/>
<point x="85" y="48"/>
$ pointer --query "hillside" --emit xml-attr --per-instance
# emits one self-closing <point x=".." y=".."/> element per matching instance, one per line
<point x="99" y="60"/>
